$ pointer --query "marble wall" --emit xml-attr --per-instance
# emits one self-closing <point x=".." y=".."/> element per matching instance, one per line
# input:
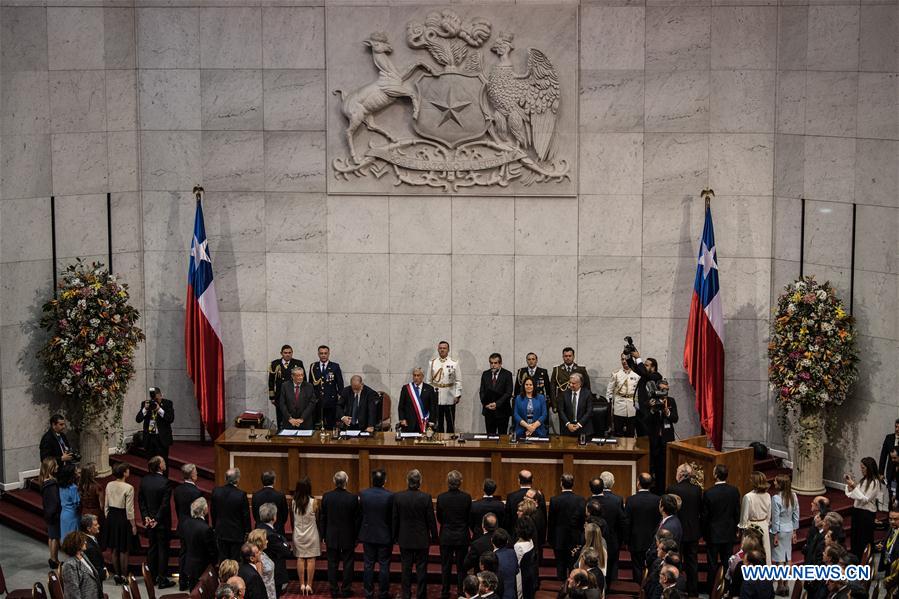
<point x="766" y="104"/>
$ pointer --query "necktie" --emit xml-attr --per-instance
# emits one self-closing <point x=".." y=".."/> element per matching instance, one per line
<point x="530" y="372"/>
<point x="494" y="378"/>
<point x="574" y="402"/>
<point x="62" y="444"/>
<point x="355" y="408"/>
<point x="892" y="540"/>
<point x="568" y="369"/>
<point x="296" y="395"/>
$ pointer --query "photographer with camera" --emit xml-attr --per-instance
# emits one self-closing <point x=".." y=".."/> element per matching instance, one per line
<point x="55" y="444"/>
<point x="157" y="415"/>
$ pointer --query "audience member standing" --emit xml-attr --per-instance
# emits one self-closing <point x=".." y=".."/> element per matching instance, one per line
<point x="525" y="482"/>
<point x="339" y="526"/>
<point x="51" y="506"/>
<point x="526" y="550"/>
<point x="453" y="510"/>
<point x="506" y="564"/>
<point x="642" y="510"/>
<point x="490" y="503"/>
<point x="277" y="548"/>
<point x="91" y="492"/>
<point x="889" y="547"/>
<point x="616" y="521"/>
<point x="230" y="516"/>
<point x="668" y="508"/>
<point x="784" y="524"/>
<point x="482" y="543"/>
<point x="120" y="524"/>
<point x="720" y="516"/>
<point x="249" y="573"/>
<point x="414" y="527"/>
<point x="755" y="510"/>
<point x="689" y="513"/>
<point x="566" y="521"/>
<point x="55" y="444"/>
<point x="154" y="499"/>
<point x="306" y="540"/>
<point x="264" y="564"/>
<point x="157" y="415"/>
<point x="269" y="494"/>
<point x="868" y="495"/>
<point x="90" y="526"/>
<point x="756" y="589"/>
<point x="890" y="444"/>
<point x="69" y="499"/>
<point x="79" y="578"/>
<point x="184" y="495"/>
<point x="197" y="543"/>
<point x="376" y="534"/>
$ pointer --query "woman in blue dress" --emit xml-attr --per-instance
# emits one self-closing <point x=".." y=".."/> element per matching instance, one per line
<point x="69" y="500"/>
<point x="530" y="412"/>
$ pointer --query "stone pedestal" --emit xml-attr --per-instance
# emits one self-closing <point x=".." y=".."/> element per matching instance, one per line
<point x="95" y="448"/>
<point x="808" y="465"/>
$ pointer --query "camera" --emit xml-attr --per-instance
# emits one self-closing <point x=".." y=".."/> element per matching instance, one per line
<point x="658" y="393"/>
<point x="629" y="346"/>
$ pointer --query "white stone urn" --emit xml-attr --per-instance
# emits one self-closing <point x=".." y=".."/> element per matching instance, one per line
<point x="808" y="454"/>
<point x="95" y="449"/>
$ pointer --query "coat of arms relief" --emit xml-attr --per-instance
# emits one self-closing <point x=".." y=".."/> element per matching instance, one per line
<point x="480" y="116"/>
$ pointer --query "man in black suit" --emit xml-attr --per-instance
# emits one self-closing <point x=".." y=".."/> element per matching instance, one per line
<point x="357" y="406"/>
<point x="482" y="543"/>
<point x="885" y="465"/>
<point x="642" y="510"/>
<point x="90" y="526"/>
<point x="279" y="372"/>
<point x="488" y="504"/>
<point x="617" y="526"/>
<point x="198" y="543"/>
<point x="720" y="516"/>
<point x="559" y="383"/>
<point x="576" y="409"/>
<point x="157" y="415"/>
<point x="185" y="494"/>
<point x="648" y="371"/>
<point x="453" y="512"/>
<point x="764" y="589"/>
<point x="376" y="534"/>
<point x="269" y="494"/>
<point x="340" y="518"/>
<point x="689" y="513"/>
<point x="488" y="585"/>
<point x="525" y="481"/>
<point x="230" y="516"/>
<point x="537" y="374"/>
<point x="154" y="499"/>
<point x="670" y="522"/>
<point x="414" y="528"/>
<point x="327" y="381"/>
<point x="418" y="404"/>
<point x="496" y="396"/>
<point x="277" y="548"/>
<point x="55" y="444"/>
<point x="297" y="402"/>
<point x="889" y="547"/>
<point x="247" y="571"/>
<point x="566" y="524"/>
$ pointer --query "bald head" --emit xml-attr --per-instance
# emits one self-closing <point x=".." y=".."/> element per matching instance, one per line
<point x="525" y="478"/>
<point x="238" y="583"/>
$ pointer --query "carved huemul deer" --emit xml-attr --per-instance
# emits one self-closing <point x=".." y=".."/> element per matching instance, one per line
<point x="360" y="106"/>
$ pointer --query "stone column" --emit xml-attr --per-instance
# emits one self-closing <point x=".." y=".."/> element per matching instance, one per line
<point x="808" y="465"/>
<point x="95" y="448"/>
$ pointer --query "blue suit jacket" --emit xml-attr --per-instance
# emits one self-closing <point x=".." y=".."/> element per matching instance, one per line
<point x="674" y="525"/>
<point x="377" y="516"/>
<point x="506" y="570"/>
<point x="521" y="413"/>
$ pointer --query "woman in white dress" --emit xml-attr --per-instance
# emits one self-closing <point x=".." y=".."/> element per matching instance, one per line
<point x="264" y="564"/>
<point x="306" y="542"/>
<point x="755" y="510"/>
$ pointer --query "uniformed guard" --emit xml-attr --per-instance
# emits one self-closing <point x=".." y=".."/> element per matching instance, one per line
<point x="621" y="392"/>
<point x="327" y="381"/>
<point x="278" y="373"/>
<point x="537" y="374"/>
<point x="558" y="383"/>
<point x="445" y="375"/>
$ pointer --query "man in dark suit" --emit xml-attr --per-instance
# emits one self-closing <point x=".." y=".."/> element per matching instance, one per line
<point x="536" y="374"/>
<point x="496" y="396"/>
<point x="642" y="510"/>
<point x="297" y="402"/>
<point x="55" y="444"/>
<point x="576" y="409"/>
<point x="566" y="524"/>
<point x="376" y="534"/>
<point x="185" y="494"/>
<point x="357" y="406"/>
<point x="648" y="371"/>
<point x="670" y="521"/>
<point x="247" y="571"/>
<point x="487" y="504"/>
<point x="157" y="415"/>
<point x="90" y="526"/>
<point x="617" y="526"/>
<point x="154" y="499"/>
<point x="269" y="494"/>
<point x="689" y="513"/>
<point x="720" y="516"/>
<point x="327" y="381"/>
<point x="453" y="512"/>
<point x="889" y="547"/>
<point x="525" y="481"/>
<point x="482" y="543"/>
<point x="414" y="528"/>
<point x="885" y="465"/>
<point x="507" y="563"/>
<point x="277" y="548"/>
<point x="559" y="382"/>
<point x="340" y="518"/>
<point x="279" y="372"/>
<point x="198" y="543"/>
<point x="764" y="589"/>
<point x="417" y="396"/>
<point x="230" y="516"/>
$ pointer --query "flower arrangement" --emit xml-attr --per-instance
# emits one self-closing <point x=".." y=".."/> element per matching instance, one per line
<point x="89" y="358"/>
<point x="812" y="359"/>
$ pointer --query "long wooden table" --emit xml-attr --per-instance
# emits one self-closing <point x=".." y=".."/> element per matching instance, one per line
<point x="293" y="458"/>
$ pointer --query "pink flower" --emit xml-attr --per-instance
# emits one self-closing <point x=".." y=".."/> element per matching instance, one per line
<point x="785" y="391"/>
<point x="805" y="376"/>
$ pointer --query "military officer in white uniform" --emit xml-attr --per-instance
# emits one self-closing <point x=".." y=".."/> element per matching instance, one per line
<point x="621" y="390"/>
<point x="446" y="377"/>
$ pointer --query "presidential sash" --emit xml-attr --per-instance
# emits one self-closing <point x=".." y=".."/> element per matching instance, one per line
<point x="420" y="411"/>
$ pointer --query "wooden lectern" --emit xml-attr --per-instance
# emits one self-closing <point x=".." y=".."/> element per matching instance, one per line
<point x="695" y="451"/>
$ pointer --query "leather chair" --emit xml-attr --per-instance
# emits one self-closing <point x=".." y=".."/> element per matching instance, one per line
<point x="384" y="410"/>
<point x="14" y="594"/>
<point x="602" y="416"/>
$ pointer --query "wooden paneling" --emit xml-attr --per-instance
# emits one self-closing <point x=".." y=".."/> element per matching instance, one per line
<point x="252" y="466"/>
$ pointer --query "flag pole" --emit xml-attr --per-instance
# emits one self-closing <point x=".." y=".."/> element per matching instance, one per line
<point x="707" y="194"/>
<point x="198" y="193"/>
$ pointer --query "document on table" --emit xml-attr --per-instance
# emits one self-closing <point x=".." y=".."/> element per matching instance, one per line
<point x="410" y="435"/>
<point x="482" y="437"/>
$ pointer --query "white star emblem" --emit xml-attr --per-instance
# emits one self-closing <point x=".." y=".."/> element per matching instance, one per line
<point x="707" y="260"/>
<point x="198" y="251"/>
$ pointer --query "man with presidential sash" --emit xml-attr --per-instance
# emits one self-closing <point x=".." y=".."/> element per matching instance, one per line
<point x="418" y="404"/>
<point x="446" y="377"/>
<point x="327" y="382"/>
<point x="278" y="373"/>
<point x="559" y="383"/>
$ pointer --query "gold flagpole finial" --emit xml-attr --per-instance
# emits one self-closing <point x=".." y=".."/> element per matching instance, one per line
<point x="707" y="194"/>
<point x="198" y="192"/>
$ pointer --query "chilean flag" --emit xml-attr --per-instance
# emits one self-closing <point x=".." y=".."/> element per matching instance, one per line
<point x="203" y="333"/>
<point x="704" y="347"/>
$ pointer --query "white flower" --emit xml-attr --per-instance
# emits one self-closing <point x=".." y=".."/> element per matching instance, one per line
<point x="821" y="294"/>
<point x="82" y="303"/>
